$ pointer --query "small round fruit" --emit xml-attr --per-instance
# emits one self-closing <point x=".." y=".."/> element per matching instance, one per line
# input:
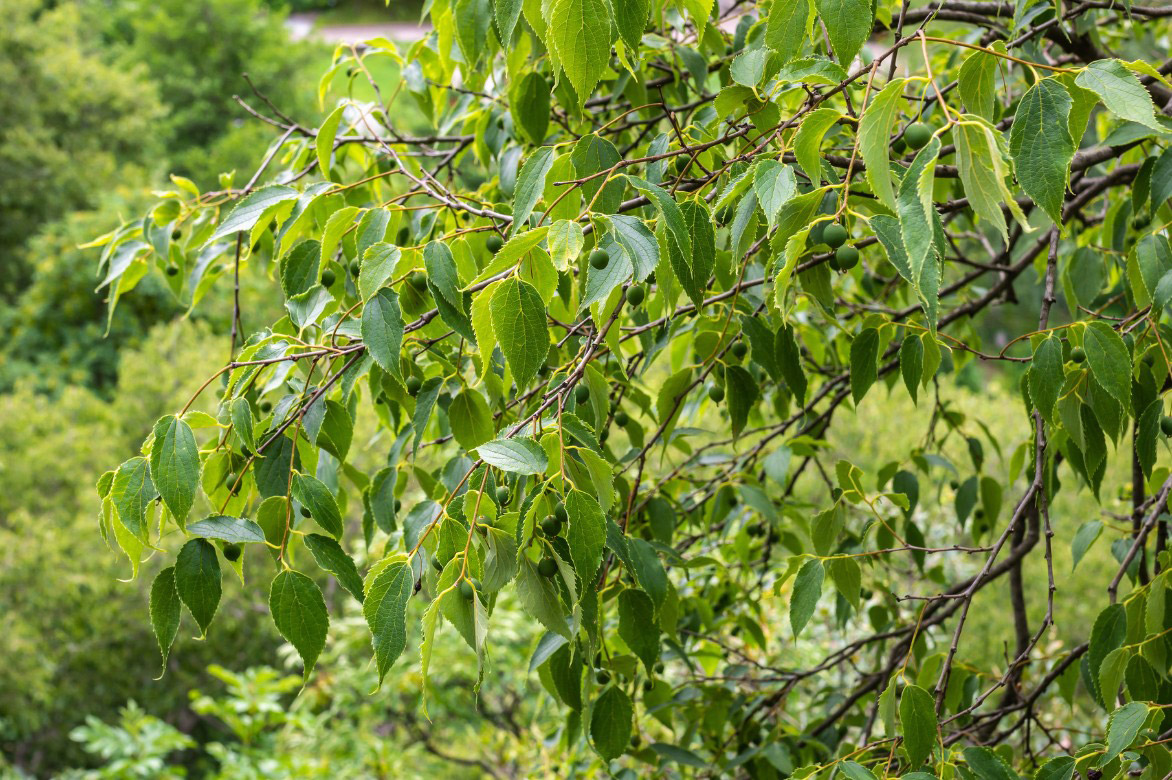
<point x="635" y="294"/>
<point x="418" y="280"/>
<point x="232" y="552"/>
<point x="836" y="493"/>
<point x="466" y="590"/>
<point x="502" y="495"/>
<point x="581" y="394"/>
<point x="266" y="406"/>
<point x="599" y="259"/>
<point x="476" y="585"/>
<point x="493" y="244"/>
<point x="739" y="350"/>
<point x="816" y="235"/>
<point x="547" y="567"/>
<point x="602" y="437"/>
<point x="1166" y="425"/>
<point x="621" y="419"/>
<point x="560" y="513"/>
<point x="550" y="526"/>
<point x="899" y="146"/>
<point x="954" y="484"/>
<point x="1078" y="355"/>
<point x="648" y="685"/>
<point x="917" y="135"/>
<point x="172" y="270"/>
<point x="602" y="677"/>
<point x="846" y="257"/>
<point x="716" y="393"/>
<point x="176" y="235"/>
<point x="327" y="278"/>
<point x="413" y="384"/>
<point x="636" y="740"/>
<point x="834" y="235"/>
<point x="305" y="511"/>
<point x="230" y="480"/>
<point x="355" y="267"/>
<point x="483" y="522"/>
<point x="398" y="505"/>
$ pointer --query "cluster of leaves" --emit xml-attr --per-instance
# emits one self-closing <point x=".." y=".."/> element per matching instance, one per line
<point x="628" y="220"/>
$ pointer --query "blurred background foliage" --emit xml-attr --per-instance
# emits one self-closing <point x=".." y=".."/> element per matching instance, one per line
<point x="99" y="101"/>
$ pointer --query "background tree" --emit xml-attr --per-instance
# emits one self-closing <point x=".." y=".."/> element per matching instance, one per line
<point x="608" y="312"/>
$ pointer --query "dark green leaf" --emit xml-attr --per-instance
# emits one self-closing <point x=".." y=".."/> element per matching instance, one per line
<point x="299" y="611"/>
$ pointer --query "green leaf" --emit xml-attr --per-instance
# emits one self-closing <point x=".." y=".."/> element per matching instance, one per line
<point x="982" y="171"/>
<point x="507" y="13"/>
<point x="378" y="265"/>
<point x="789" y="359"/>
<point x="692" y="269"/>
<point x="519" y="455"/>
<point x="539" y="597"/>
<point x="385" y="610"/>
<point x="579" y="33"/>
<point x="471" y="419"/>
<point x="911" y="364"/>
<point x="864" y="363"/>
<point x="299" y="268"/>
<point x="987" y="765"/>
<point x="610" y="723"/>
<point x="197" y="580"/>
<point x="337" y="225"/>
<point x="250" y="208"/>
<point x="530" y="185"/>
<point x="1058" y="768"/>
<point x="324" y="144"/>
<point x="241" y="414"/>
<point x="916" y="212"/>
<point x="849" y="24"/>
<point x="807" y="591"/>
<point x="847" y="578"/>
<point x="631" y="19"/>
<point x="1121" y="92"/>
<point x="977" y="84"/>
<point x="648" y="570"/>
<point x="472" y="19"/>
<point x="1046" y="376"/>
<point x="875" y="139"/>
<point x="1109" y="360"/>
<point x="774" y="184"/>
<point x="518" y="319"/>
<point x="299" y="611"/>
<point x="529" y="105"/>
<point x="637" y="626"/>
<point x="586" y="535"/>
<point x="382" y="330"/>
<point x="788" y="27"/>
<point x="175" y="465"/>
<point x="808" y="141"/>
<point x="1108" y="633"/>
<point x="917" y="720"/>
<point x="565" y="243"/>
<point x="1086" y="535"/>
<point x="1041" y="145"/>
<point x="236" y="530"/>
<point x="742" y="395"/>
<point x="164" y="608"/>
<point x="331" y="557"/>
<point x="1122" y="728"/>
<point x="314" y="495"/>
<point x="131" y="492"/>
<point x="669" y="212"/>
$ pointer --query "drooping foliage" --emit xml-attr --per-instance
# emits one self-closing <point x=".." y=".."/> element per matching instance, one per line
<point x="607" y="311"/>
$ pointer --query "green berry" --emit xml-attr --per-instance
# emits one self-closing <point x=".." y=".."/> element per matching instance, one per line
<point x="327" y="278"/>
<point x="716" y="393"/>
<point x="739" y="350"/>
<point x="1166" y="425"/>
<point x="172" y="270"/>
<point x="547" y="567"/>
<point x="305" y="512"/>
<point x="635" y="294"/>
<point x="621" y="419"/>
<point x="232" y="552"/>
<point x="846" y="257"/>
<point x="599" y="259"/>
<point x="176" y="235"/>
<point x="550" y="526"/>
<point x="355" y="267"/>
<point x="834" y="235"/>
<point x="266" y="407"/>
<point x="1078" y="355"/>
<point x="602" y="677"/>
<point x="648" y="685"/>
<point x="493" y="244"/>
<point x="899" y="146"/>
<point x="581" y="394"/>
<point x="398" y="505"/>
<point x="602" y="437"/>
<point x="418" y="280"/>
<point x="560" y="513"/>
<point x="413" y="384"/>
<point x="917" y="135"/>
<point x="502" y="495"/>
<point x="466" y="590"/>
